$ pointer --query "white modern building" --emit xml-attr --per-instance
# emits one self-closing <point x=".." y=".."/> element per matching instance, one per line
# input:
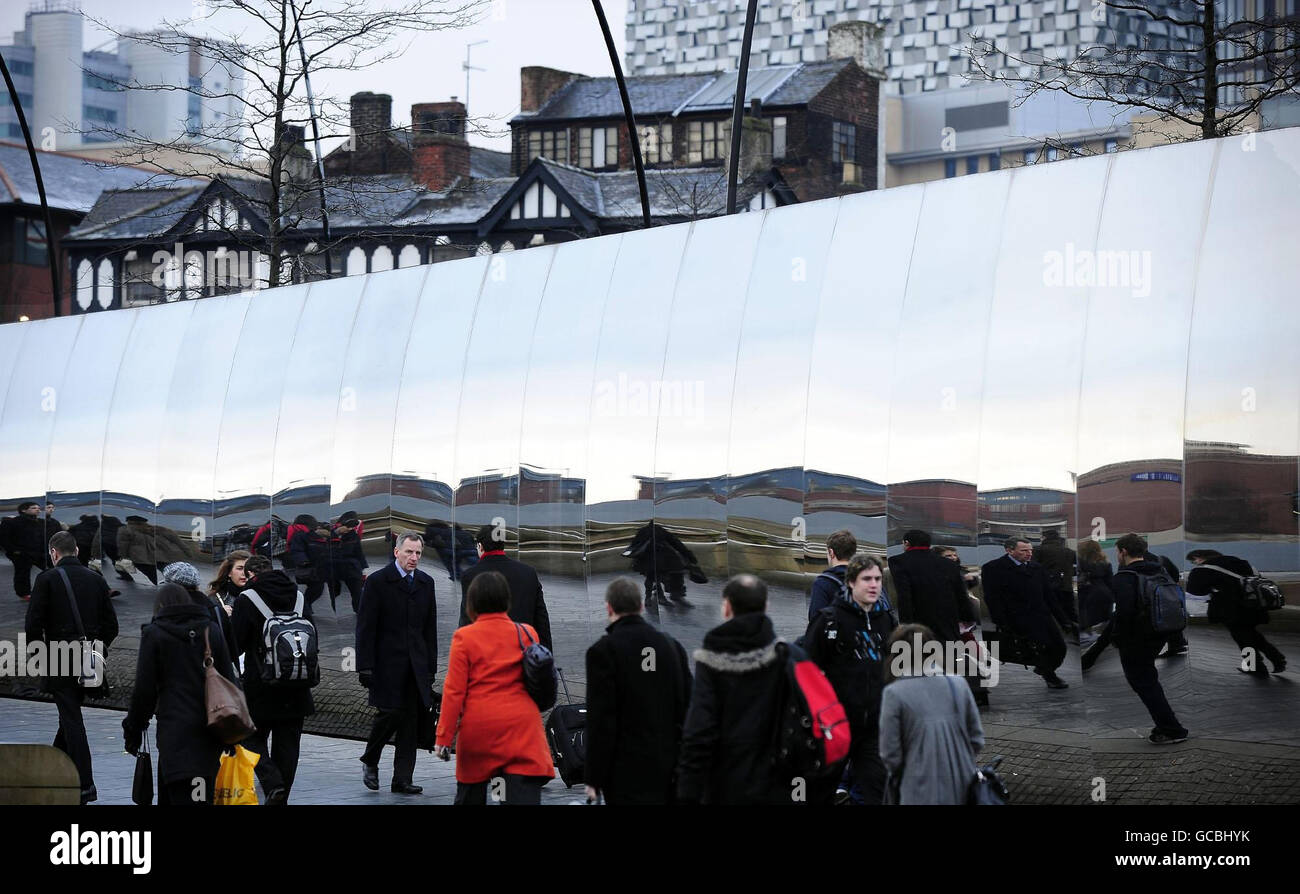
<point x="74" y="97"/>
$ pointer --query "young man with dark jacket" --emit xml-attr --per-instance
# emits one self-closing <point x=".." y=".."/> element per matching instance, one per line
<point x="827" y="586"/>
<point x="847" y="641"/>
<point x="729" y="746"/>
<point x="50" y="620"/>
<point x="638" y="687"/>
<point x="25" y="542"/>
<point x="1136" y="642"/>
<point x="1218" y="578"/>
<point x="277" y="711"/>
<point x="527" y="604"/>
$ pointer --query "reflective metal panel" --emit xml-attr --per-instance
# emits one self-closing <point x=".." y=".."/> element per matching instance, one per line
<point x="1243" y="377"/>
<point x="765" y="524"/>
<point x="939" y="377"/>
<point x="852" y="368"/>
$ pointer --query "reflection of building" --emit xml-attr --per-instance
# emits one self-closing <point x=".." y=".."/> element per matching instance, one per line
<point x="1232" y="493"/>
<point x="1144" y="495"/>
<point x="1025" y="511"/>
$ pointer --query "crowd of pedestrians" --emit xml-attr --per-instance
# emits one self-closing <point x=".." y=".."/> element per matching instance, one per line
<point x="654" y="733"/>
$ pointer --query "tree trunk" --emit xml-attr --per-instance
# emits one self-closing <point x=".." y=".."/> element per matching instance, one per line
<point x="1210" y="100"/>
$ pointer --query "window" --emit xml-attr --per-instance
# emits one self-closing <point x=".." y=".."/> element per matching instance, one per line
<point x="95" y="113"/>
<point x="19" y="67"/>
<point x="194" y="111"/>
<point x="995" y="161"/>
<point x="597" y="147"/>
<point x="552" y="144"/>
<point x="972" y="164"/>
<point x="1030" y="156"/>
<point x="844" y="142"/>
<point x="1052" y="153"/>
<point x="949" y="167"/>
<point x="656" y="143"/>
<point x="707" y="141"/>
<point x="1111" y="145"/>
<point x="15" y="131"/>
<point x="97" y="82"/>
<point x="29" y="242"/>
<point x="24" y="98"/>
<point x="778" y="137"/>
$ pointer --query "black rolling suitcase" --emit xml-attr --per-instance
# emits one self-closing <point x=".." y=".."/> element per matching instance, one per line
<point x="566" y="734"/>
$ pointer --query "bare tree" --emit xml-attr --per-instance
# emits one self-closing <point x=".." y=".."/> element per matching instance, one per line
<point x="1203" y="65"/>
<point x="273" y="47"/>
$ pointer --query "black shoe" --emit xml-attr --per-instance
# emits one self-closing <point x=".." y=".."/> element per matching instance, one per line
<point x="1173" y="653"/>
<point x="405" y="788"/>
<point x="89" y="794"/>
<point x="1259" y="672"/>
<point x="1279" y="665"/>
<point x="1054" y="682"/>
<point x="680" y="602"/>
<point x="278" y="798"/>
<point x="1159" y="738"/>
<point x="370" y="776"/>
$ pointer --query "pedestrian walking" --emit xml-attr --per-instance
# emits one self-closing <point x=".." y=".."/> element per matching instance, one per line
<point x="1096" y="599"/>
<point x="827" y="587"/>
<point x="664" y="560"/>
<point x="638" y="689"/>
<point x="527" y="602"/>
<point x="57" y="617"/>
<point x="185" y="575"/>
<point x="169" y="683"/>
<point x="347" y="559"/>
<point x="231" y="579"/>
<point x="397" y="656"/>
<point x="1017" y="593"/>
<point x="487" y="713"/>
<point x="26" y="545"/>
<point x="930" y="728"/>
<point x="728" y="749"/>
<point x="1220" y="579"/>
<point x="1059" y="562"/>
<point x="278" y="709"/>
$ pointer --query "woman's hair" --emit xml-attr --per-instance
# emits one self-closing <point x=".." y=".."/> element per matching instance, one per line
<point x="223" y="573"/>
<point x="169" y="595"/>
<point x="488" y="592"/>
<point x="901" y="651"/>
<point x="860" y="563"/>
<point x="1090" y="551"/>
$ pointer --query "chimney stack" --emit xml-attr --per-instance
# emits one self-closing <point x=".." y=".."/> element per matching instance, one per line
<point x="439" y="152"/>
<point x="537" y="84"/>
<point x="372" y="119"/>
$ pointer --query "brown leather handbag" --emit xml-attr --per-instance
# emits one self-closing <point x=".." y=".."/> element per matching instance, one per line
<point x="228" y="717"/>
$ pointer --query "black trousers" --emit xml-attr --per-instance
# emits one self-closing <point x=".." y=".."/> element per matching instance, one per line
<point x="1051" y="652"/>
<point x="149" y="571"/>
<point x="520" y="790"/>
<point x="1139" y="663"/>
<point x="71" y="737"/>
<point x="1247" y="637"/>
<point x="279" y="762"/>
<point x="181" y="794"/>
<point x="350" y="579"/>
<point x="23" y="565"/>
<point x="867" y="772"/>
<point x="674" y="583"/>
<point x="404" y="721"/>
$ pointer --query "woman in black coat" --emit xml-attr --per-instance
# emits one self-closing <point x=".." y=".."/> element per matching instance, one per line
<point x="169" y="682"/>
<point x="1096" y="598"/>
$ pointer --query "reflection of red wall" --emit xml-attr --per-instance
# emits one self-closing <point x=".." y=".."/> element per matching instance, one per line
<point x="1127" y="505"/>
<point x="1232" y="492"/>
<point x="934" y="489"/>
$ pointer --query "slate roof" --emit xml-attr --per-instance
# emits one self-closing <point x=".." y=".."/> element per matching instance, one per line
<point x="72" y="183"/>
<point x="683" y="93"/>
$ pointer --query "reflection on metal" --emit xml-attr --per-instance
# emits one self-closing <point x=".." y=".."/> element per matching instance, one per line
<point x="749" y="383"/>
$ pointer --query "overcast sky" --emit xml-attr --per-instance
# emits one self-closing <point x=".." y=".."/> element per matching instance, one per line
<point x="556" y="33"/>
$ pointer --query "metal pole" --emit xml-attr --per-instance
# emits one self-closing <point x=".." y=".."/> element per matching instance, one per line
<point x="40" y="184"/>
<point x="742" y="75"/>
<point x="315" y="131"/>
<point x="627" y="112"/>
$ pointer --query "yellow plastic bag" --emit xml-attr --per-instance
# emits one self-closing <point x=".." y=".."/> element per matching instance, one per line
<point x="235" y="777"/>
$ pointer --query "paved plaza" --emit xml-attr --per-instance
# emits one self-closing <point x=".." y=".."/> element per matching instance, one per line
<point x="1055" y="745"/>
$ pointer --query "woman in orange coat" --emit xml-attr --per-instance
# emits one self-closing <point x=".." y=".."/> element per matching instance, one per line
<point x="486" y="711"/>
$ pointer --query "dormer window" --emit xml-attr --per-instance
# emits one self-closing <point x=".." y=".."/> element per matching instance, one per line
<point x="552" y="144"/>
<point x="597" y="147"/>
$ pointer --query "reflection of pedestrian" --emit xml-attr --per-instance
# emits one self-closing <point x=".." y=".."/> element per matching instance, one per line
<point x="230" y="580"/>
<point x="841" y="547"/>
<point x="1136" y="641"/>
<point x="1218" y="577"/>
<point x="169" y="681"/>
<point x="638" y="688"/>
<point x="1016" y="592"/>
<point x="487" y="712"/>
<point x="1095" y="596"/>
<point x="660" y="555"/>
<point x="453" y="545"/>
<point x="23" y="539"/>
<point x="309" y="555"/>
<point x="347" y="559"/>
<point x="1058" y="561"/>
<point x="930" y="729"/>
<point x="149" y="547"/>
<point x="51" y="620"/>
<point x="397" y="655"/>
<point x="527" y="604"/>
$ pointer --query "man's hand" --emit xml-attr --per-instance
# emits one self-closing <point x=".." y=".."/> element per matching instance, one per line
<point x="132" y="739"/>
<point x="367" y="677"/>
<point x="443" y="753"/>
<point x="593" y="794"/>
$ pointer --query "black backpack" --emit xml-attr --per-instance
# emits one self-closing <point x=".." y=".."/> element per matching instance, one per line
<point x="1162" y="602"/>
<point x="539" y="670"/>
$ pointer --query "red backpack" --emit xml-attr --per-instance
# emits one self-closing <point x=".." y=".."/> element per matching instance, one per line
<point x="813" y="729"/>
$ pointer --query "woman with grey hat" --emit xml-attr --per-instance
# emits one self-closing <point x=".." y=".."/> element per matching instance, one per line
<point x="186" y="575"/>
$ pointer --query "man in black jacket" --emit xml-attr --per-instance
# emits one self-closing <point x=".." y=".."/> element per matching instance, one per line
<point x="25" y="541"/>
<point x="1218" y="578"/>
<point x="841" y="547"/>
<point x="50" y="620"/>
<point x="527" y="605"/>
<point x="659" y="555"/>
<point x="1059" y="562"/>
<point x="1136" y="642"/>
<point x="1016" y="592"/>
<point x="638" y="687"/>
<point x="397" y="657"/>
<point x="728" y="745"/>
<point x="277" y="711"/>
<point x="847" y="641"/>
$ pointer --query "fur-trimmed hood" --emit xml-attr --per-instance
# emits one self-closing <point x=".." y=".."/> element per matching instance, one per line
<point x="742" y="645"/>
